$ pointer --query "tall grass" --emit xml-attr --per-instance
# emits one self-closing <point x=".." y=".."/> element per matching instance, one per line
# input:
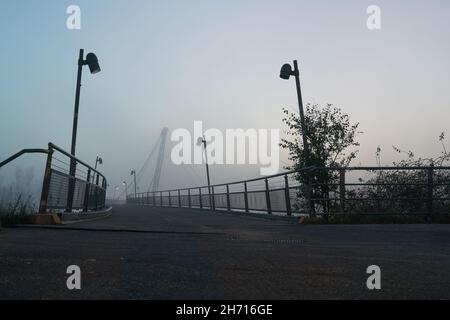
<point x="18" y="198"/>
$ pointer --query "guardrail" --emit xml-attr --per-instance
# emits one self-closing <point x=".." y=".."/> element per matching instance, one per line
<point x="85" y="190"/>
<point x="323" y="191"/>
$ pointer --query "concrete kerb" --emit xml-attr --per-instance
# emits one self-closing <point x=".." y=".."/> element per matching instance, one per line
<point x="68" y="218"/>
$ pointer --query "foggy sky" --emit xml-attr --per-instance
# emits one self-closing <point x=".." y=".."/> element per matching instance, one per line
<point x="168" y="63"/>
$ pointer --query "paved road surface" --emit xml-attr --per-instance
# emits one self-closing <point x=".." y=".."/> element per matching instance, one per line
<point x="156" y="253"/>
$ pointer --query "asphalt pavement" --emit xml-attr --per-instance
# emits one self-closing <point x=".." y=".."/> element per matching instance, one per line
<point x="171" y="253"/>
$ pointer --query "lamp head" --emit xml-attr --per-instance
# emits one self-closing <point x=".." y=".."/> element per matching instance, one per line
<point x="92" y="62"/>
<point x="286" y="71"/>
<point x="100" y="160"/>
<point x="200" y="141"/>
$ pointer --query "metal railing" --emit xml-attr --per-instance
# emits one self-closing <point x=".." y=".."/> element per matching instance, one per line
<point x="322" y="191"/>
<point x="89" y="185"/>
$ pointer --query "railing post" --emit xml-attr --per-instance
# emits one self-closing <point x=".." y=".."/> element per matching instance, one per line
<point x="161" y="197"/>
<point x="342" y="190"/>
<point x="179" y="198"/>
<point x="87" y="190"/>
<point x="287" y="196"/>
<point x="245" y="197"/>
<point x="154" y="198"/>
<point x="71" y="187"/>
<point x="212" y="199"/>
<point x="228" y="198"/>
<point x="310" y="194"/>
<point x="430" y="188"/>
<point x="189" y="198"/>
<point x="170" y="199"/>
<point x="200" y="197"/>
<point x="269" y="206"/>
<point x="103" y="193"/>
<point x="46" y="182"/>
<point x="96" y="192"/>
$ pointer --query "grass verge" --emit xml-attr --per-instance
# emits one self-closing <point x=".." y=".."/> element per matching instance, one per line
<point x="378" y="219"/>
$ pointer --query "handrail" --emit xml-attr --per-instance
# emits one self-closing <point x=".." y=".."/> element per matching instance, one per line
<point x="303" y="169"/>
<point x="20" y="153"/>
<point x="428" y="196"/>
<point x="46" y="151"/>
<point x="99" y="189"/>
<point x="53" y="146"/>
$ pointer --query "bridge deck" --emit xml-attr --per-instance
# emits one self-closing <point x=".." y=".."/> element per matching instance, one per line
<point x="155" y="253"/>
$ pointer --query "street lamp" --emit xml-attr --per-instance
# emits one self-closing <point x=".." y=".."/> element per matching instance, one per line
<point x="126" y="189"/>
<point x="285" y="73"/>
<point x="92" y="62"/>
<point x="115" y="190"/>
<point x="98" y="160"/>
<point x="200" y="141"/>
<point x="133" y="173"/>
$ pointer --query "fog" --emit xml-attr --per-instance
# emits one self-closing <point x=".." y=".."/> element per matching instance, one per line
<point x="170" y="63"/>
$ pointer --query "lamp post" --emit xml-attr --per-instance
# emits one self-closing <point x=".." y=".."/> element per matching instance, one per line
<point x="285" y="73"/>
<point x="115" y="191"/>
<point x="133" y="173"/>
<point x="92" y="62"/>
<point x="126" y="189"/>
<point x="200" y="141"/>
<point x="98" y="160"/>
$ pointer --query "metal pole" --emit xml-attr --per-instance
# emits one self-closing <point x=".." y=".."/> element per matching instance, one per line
<point x="207" y="176"/>
<point x="135" y="188"/>
<point x="302" y="115"/>
<point x="228" y="198"/>
<point x="74" y="134"/>
<point x="269" y="206"/>
<point x="96" y="192"/>
<point x="287" y="196"/>
<point x="430" y="193"/>
<point x="46" y="183"/>
<point x="304" y="134"/>
<point x="189" y="197"/>
<point x="245" y="197"/>
<point x="213" y="197"/>
<point x="342" y="190"/>
<point x="87" y="191"/>
<point x="126" y="192"/>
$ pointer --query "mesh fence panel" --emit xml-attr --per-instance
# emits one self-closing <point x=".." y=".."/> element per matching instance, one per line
<point x="257" y="200"/>
<point x="278" y="200"/>
<point x="237" y="200"/>
<point x="59" y="187"/>
<point x="220" y="200"/>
